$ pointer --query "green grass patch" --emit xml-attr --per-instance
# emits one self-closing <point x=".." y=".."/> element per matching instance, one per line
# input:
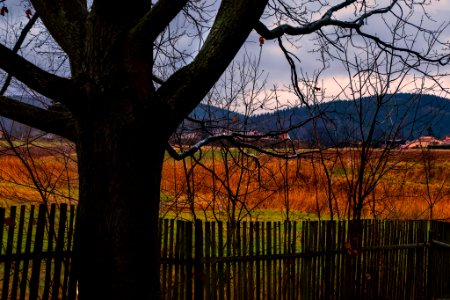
<point x="262" y="215"/>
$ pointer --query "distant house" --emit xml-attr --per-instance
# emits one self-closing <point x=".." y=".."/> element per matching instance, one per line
<point x="284" y="136"/>
<point x="446" y="140"/>
<point x="424" y="142"/>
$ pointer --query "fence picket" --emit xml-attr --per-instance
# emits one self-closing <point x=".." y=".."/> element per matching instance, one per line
<point x="189" y="265"/>
<point x="9" y="247"/>
<point x="38" y="245"/>
<point x="49" y="260"/>
<point x="59" y="249"/>
<point x="70" y="282"/>
<point x="326" y="258"/>
<point x="245" y="260"/>
<point x="220" y="267"/>
<point x="23" y="282"/>
<point x="17" y="261"/>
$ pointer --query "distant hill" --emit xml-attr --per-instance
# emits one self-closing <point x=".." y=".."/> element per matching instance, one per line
<point x="400" y="116"/>
<point x="209" y="112"/>
<point x="397" y="116"/>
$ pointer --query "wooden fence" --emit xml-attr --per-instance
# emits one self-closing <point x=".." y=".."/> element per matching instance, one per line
<point x="35" y="251"/>
<point x="246" y="260"/>
<point x="307" y="260"/>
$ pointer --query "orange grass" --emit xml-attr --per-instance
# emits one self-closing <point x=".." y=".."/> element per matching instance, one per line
<point x="221" y="184"/>
<point x="230" y="184"/>
<point x="38" y="176"/>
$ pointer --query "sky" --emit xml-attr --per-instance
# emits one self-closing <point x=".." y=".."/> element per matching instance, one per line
<point x="272" y="61"/>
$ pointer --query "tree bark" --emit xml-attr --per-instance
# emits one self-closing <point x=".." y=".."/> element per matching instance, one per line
<point x="117" y="253"/>
<point x="110" y="106"/>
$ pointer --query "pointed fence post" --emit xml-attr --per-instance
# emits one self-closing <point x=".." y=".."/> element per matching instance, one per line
<point x="198" y="264"/>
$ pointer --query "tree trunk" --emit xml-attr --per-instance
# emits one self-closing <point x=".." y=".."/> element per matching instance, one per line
<point x="117" y="245"/>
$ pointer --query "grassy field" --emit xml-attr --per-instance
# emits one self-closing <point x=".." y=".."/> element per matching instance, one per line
<point x="217" y="184"/>
<point x="41" y="171"/>
<point x="410" y="184"/>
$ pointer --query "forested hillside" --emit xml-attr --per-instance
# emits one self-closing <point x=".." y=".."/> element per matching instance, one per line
<point x="398" y="116"/>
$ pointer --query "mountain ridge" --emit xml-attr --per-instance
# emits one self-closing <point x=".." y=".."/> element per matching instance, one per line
<point x="401" y="116"/>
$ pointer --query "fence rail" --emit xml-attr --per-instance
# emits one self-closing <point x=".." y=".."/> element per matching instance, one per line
<point x="307" y="260"/>
<point x="35" y="252"/>
<point x="242" y="260"/>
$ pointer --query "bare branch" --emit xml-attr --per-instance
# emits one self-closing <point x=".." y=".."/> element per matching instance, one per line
<point x="155" y="21"/>
<point x="120" y="15"/>
<point x="16" y="48"/>
<point x="60" y="123"/>
<point x="41" y="81"/>
<point x="157" y="79"/>
<point x="240" y="145"/>
<point x="356" y="25"/>
<point x="325" y="20"/>
<point x="233" y="24"/>
<point x="66" y="21"/>
<point x="237" y="139"/>
<point x="442" y="60"/>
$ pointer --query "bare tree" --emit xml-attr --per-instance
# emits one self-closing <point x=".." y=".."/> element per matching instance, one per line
<point x="435" y="184"/>
<point x="360" y="140"/>
<point x="130" y="75"/>
<point x="234" y="171"/>
<point x="37" y="170"/>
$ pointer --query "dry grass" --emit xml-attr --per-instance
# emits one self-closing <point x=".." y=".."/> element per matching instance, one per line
<point x="403" y="192"/>
<point x="233" y="185"/>
<point x="35" y="175"/>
